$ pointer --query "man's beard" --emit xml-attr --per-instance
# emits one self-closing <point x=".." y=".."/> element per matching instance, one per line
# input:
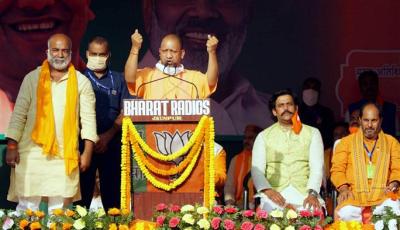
<point x="197" y="59"/>
<point x="59" y="63"/>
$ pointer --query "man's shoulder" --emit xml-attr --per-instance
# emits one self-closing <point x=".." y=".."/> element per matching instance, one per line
<point x="193" y="72"/>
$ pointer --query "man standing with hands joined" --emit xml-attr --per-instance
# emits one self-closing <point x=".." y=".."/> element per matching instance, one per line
<point x="169" y="79"/>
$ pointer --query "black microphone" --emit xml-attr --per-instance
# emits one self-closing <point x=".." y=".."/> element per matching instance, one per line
<point x="173" y="76"/>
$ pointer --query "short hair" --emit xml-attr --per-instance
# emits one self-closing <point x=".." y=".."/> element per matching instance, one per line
<point x="341" y="124"/>
<point x="256" y="129"/>
<point x="312" y="83"/>
<point x="377" y="106"/>
<point x="274" y="97"/>
<point x="368" y="74"/>
<point x="101" y="41"/>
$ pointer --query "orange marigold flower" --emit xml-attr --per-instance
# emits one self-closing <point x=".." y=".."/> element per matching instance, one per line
<point x="29" y="212"/>
<point x="39" y="214"/>
<point x="112" y="227"/>
<point x="58" y="212"/>
<point x="69" y="213"/>
<point x="23" y="224"/>
<point x="123" y="227"/>
<point x="35" y="225"/>
<point x="368" y="227"/>
<point x="113" y="212"/>
<point x="125" y="212"/>
<point x="66" y="226"/>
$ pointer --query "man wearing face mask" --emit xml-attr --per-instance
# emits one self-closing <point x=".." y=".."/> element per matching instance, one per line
<point x="169" y="79"/>
<point x="110" y="89"/>
<point x="314" y="114"/>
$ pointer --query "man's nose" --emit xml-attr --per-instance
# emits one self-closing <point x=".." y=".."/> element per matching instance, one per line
<point x="34" y="4"/>
<point x="205" y="9"/>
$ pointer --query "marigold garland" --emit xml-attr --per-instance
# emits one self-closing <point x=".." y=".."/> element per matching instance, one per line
<point x="203" y="133"/>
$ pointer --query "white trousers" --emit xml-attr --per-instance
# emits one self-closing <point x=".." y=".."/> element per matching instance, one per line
<point x="353" y="213"/>
<point x="33" y="203"/>
<point x="291" y="195"/>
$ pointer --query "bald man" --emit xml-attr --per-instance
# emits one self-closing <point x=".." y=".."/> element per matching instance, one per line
<point x="169" y="79"/>
<point x="43" y="133"/>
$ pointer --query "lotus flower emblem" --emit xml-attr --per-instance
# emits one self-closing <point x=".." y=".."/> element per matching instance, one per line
<point x="168" y="143"/>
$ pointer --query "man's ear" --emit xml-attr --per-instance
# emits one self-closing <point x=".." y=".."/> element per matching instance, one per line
<point x="87" y="54"/>
<point x="182" y="54"/>
<point x="274" y="112"/>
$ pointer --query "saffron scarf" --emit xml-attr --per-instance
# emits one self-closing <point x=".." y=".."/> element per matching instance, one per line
<point x="363" y="192"/>
<point x="296" y="123"/>
<point x="44" y="133"/>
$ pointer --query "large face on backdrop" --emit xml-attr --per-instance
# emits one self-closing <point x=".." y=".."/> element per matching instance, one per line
<point x="25" y="26"/>
<point x="192" y="21"/>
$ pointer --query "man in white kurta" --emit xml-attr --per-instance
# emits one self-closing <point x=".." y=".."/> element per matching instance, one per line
<point x="37" y="175"/>
<point x="287" y="161"/>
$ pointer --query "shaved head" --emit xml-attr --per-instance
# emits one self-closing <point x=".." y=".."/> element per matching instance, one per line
<point x="59" y="37"/>
<point x="170" y="51"/>
<point x="172" y="38"/>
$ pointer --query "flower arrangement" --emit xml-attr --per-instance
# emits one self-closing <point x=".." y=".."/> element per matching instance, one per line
<point x="77" y="218"/>
<point x="230" y="218"/>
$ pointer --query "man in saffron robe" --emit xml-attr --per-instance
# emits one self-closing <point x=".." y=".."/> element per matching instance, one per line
<point x="169" y="79"/>
<point x="288" y="159"/>
<point x="53" y="102"/>
<point x="239" y="167"/>
<point x="365" y="167"/>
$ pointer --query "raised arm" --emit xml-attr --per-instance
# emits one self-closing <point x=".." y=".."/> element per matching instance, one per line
<point x="212" y="69"/>
<point x="132" y="62"/>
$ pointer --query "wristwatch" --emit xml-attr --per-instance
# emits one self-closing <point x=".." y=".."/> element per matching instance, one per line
<point x="312" y="192"/>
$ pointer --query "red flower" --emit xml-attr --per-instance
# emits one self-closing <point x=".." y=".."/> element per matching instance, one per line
<point x="318" y="212"/>
<point x="173" y="222"/>
<point x="218" y="209"/>
<point x="175" y="208"/>
<point x="262" y="214"/>
<point x="160" y="220"/>
<point x="305" y="213"/>
<point x="230" y="210"/>
<point x="318" y="227"/>
<point x="247" y="225"/>
<point x="305" y="227"/>
<point x="229" y="224"/>
<point x="259" y="227"/>
<point x="215" y="222"/>
<point x="248" y="213"/>
<point x="161" y="207"/>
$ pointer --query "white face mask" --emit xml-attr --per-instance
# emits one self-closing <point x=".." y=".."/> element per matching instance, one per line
<point x="310" y="97"/>
<point x="96" y="63"/>
<point x="169" y="70"/>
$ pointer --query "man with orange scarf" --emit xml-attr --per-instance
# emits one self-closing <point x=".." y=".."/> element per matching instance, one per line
<point x="54" y="101"/>
<point x="288" y="159"/>
<point x="239" y="167"/>
<point x="365" y="168"/>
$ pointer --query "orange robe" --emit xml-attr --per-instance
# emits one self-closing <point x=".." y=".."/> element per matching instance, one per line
<point x="170" y="87"/>
<point x="349" y="166"/>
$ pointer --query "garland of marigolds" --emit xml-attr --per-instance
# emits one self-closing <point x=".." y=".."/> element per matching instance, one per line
<point x="203" y="134"/>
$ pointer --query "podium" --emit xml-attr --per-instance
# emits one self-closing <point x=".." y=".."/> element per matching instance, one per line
<point x="168" y="147"/>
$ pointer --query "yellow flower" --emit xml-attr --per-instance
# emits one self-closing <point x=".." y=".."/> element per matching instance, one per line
<point x="39" y="214"/>
<point x="125" y="212"/>
<point x="113" y="212"/>
<point x="112" y="227"/>
<point x="79" y="224"/>
<point x="290" y="227"/>
<point x="81" y="210"/>
<point x="203" y="223"/>
<point x="53" y="226"/>
<point x="276" y="214"/>
<point x="99" y="225"/>
<point x="274" y="227"/>
<point x="101" y="212"/>
<point x="188" y="228"/>
<point x="291" y="214"/>
<point x="58" y="212"/>
<point x="66" y="226"/>
<point x="123" y="227"/>
<point x="29" y="212"/>
<point x="69" y="213"/>
<point x="188" y="218"/>
<point x="187" y="208"/>
<point x="202" y="210"/>
<point x="23" y="224"/>
<point x="35" y="225"/>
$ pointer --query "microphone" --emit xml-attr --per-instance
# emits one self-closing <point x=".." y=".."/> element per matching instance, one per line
<point x="172" y="76"/>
